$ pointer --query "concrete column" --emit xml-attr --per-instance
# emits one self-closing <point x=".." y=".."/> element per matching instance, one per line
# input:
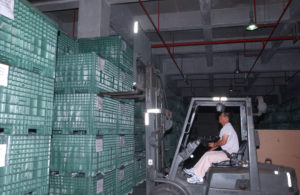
<point x="93" y="18"/>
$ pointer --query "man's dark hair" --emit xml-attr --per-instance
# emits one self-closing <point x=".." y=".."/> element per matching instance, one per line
<point x="227" y="114"/>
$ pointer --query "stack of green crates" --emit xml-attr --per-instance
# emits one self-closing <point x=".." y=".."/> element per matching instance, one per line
<point x="93" y="141"/>
<point x="124" y="179"/>
<point x="67" y="44"/>
<point x="113" y="48"/>
<point x="85" y="73"/>
<point x="29" y="41"/>
<point x="101" y="184"/>
<point x="28" y="44"/>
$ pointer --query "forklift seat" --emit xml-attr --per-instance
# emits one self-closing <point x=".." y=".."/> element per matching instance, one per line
<point x="235" y="158"/>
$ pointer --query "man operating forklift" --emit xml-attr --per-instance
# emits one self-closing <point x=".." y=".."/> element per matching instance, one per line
<point x="228" y="142"/>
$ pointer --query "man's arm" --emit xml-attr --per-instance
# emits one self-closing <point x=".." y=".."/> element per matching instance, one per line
<point x="221" y="142"/>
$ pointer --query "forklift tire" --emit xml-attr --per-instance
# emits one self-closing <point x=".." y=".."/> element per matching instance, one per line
<point x="166" y="189"/>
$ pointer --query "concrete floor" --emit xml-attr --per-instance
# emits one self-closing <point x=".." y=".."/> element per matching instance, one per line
<point x="140" y="189"/>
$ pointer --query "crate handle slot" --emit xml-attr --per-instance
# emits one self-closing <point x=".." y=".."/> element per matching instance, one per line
<point x="32" y="131"/>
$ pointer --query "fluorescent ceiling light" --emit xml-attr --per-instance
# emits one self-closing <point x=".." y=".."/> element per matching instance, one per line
<point x="216" y="99"/>
<point x="252" y="26"/>
<point x="224" y="99"/>
<point x="136" y="27"/>
<point x="154" y="111"/>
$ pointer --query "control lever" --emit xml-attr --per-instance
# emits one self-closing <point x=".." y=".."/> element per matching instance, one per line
<point x="190" y="148"/>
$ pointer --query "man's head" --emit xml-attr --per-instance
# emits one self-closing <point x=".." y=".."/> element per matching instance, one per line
<point x="224" y="118"/>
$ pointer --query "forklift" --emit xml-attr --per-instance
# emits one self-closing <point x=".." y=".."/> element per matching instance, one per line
<point x="241" y="175"/>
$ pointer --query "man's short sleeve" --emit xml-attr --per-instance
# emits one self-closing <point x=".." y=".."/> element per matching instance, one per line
<point x="225" y="131"/>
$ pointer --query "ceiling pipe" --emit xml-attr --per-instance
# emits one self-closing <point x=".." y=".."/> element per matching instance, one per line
<point x="269" y="38"/>
<point x="162" y="40"/>
<point x="218" y="42"/>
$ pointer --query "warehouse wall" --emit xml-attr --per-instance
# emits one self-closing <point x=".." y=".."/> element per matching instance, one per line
<point x="282" y="146"/>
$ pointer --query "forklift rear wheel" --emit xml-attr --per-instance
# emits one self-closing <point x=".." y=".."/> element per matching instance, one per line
<point x="166" y="189"/>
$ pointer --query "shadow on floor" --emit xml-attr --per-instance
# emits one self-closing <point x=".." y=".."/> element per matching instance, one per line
<point x="140" y="189"/>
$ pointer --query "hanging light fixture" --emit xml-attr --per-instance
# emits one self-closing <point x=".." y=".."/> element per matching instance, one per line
<point x="252" y="26"/>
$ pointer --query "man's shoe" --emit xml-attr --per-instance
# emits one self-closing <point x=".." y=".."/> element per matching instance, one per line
<point x="195" y="180"/>
<point x="189" y="171"/>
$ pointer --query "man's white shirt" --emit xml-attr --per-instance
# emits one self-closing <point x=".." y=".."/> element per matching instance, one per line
<point x="232" y="145"/>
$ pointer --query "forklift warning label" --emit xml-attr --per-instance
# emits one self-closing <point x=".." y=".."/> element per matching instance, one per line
<point x="2" y="154"/>
<point x="3" y="74"/>
<point x="99" y="145"/>
<point x="7" y="8"/>
<point x="99" y="186"/>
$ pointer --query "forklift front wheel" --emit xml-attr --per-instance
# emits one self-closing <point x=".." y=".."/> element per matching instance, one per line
<point x="166" y="189"/>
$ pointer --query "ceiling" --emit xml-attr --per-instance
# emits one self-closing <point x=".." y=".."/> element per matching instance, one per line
<point x="210" y="68"/>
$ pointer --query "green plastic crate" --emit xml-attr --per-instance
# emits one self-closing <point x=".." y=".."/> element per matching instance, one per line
<point x="26" y="103"/>
<point x="124" y="179"/>
<point x="77" y="185"/>
<point x="126" y="117"/>
<point x="36" y="186"/>
<point x="113" y="48"/>
<point x="139" y="170"/>
<point x="66" y="44"/>
<point x="24" y="153"/>
<point x="86" y="113"/>
<point x="85" y="73"/>
<point x="88" y="154"/>
<point x="29" y="41"/>
<point x="125" y="149"/>
<point x="26" y="167"/>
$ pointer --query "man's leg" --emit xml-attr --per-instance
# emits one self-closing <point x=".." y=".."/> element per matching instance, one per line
<point x="206" y="161"/>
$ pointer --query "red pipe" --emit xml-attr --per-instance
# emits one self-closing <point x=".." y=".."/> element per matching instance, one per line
<point x="269" y="38"/>
<point x="74" y="19"/>
<point x="252" y="40"/>
<point x="161" y="38"/>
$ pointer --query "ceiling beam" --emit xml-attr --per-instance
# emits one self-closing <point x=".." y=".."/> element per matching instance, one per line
<point x="226" y="17"/>
<point x="57" y="5"/>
